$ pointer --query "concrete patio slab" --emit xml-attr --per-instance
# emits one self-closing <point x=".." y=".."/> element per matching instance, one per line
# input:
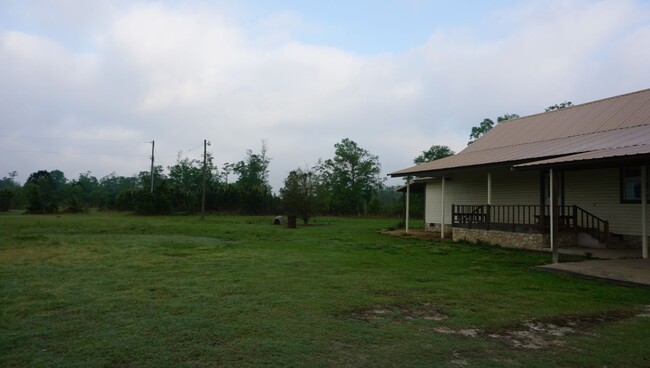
<point x="634" y="272"/>
<point x="603" y="253"/>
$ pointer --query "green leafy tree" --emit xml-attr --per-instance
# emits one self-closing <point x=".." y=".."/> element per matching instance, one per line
<point x="480" y="129"/>
<point x="8" y="191"/>
<point x="507" y="117"/>
<point x="561" y="105"/>
<point x="59" y="182"/>
<point x="253" y="183"/>
<point x="85" y="192"/>
<point x="352" y="177"/>
<point x="144" y="177"/>
<point x="486" y="125"/>
<point x="9" y="182"/>
<point x="254" y="170"/>
<point x="118" y="191"/>
<point x="186" y="182"/>
<point x="299" y="195"/>
<point x="434" y="153"/>
<point x="41" y="191"/>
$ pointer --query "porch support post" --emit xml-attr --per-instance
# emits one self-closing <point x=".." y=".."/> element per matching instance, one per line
<point x="489" y="188"/>
<point x="553" y="215"/>
<point x="408" y="203"/>
<point x="442" y="203"/>
<point x="644" y="211"/>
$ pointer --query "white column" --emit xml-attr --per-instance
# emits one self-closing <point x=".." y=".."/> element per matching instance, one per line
<point x="551" y="210"/>
<point x="552" y="215"/>
<point x="408" y="203"/>
<point x="442" y="203"/>
<point x="644" y="214"/>
<point x="489" y="188"/>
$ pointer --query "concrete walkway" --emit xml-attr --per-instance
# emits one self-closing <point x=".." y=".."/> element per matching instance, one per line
<point x="633" y="272"/>
<point x="603" y="253"/>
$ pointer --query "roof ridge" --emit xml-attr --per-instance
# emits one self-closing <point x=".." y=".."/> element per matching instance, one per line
<point x="579" y="105"/>
<point x="555" y="139"/>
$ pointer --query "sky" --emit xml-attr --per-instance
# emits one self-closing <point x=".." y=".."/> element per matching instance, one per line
<point x="87" y="85"/>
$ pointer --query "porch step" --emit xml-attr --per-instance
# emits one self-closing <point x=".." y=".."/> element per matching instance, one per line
<point x="586" y="240"/>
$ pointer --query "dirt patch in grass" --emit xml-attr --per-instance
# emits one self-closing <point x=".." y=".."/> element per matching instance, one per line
<point x="544" y="333"/>
<point x="426" y="311"/>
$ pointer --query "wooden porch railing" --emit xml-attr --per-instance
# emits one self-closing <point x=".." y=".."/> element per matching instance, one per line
<point x="528" y="218"/>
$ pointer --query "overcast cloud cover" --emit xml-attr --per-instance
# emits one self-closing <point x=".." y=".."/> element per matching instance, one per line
<point x="84" y="85"/>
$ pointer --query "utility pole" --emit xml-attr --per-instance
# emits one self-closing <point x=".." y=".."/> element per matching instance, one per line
<point x="205" y="165"/>
<point x="153" y="143"/>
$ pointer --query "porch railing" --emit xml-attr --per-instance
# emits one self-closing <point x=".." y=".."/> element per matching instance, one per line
<point x="528" y="218"/>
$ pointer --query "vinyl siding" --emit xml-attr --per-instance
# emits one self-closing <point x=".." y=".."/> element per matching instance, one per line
<point x="515" y="187"/>
<point x="598" y="191"/>
<point x="508" y="187"/>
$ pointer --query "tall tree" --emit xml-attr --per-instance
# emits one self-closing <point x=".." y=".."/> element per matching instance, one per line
<point x="436" y="152"/>
<point x="480" y="129"/>
<point x="352" y="177"/>
<point x="254" y="170"/>
<point x="486" y="125"/>
<point x="505" y="117"/>
<point x="9" y="182"/>
<point x="299" y="194"/>
<point x="561" y="105"/>
<point x="115" y="187"/>
<point x="158" y="177"/>
<point x="41" y="192"/>
<point x="84" y="192"/>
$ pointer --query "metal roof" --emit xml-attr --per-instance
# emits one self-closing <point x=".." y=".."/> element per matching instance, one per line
<point x="609" y="153"/>
<point x="612" y="123"/>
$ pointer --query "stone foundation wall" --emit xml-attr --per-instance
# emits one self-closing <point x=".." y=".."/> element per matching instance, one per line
<point x="511" y="239"/>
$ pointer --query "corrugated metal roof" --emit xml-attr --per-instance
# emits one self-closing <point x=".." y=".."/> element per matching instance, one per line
<point x="615" y="122"/>
<point x="592" y="155"/>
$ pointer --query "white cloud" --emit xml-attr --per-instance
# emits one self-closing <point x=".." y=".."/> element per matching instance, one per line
<point x="179" y="74"/>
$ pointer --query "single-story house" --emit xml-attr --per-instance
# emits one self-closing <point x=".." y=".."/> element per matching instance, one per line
<point x="571" y="177"/>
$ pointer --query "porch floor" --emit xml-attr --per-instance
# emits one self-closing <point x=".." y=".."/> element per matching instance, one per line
<point x="634" y="272"/>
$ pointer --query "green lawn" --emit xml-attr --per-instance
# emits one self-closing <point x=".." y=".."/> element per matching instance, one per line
<point x="113" y="290"/>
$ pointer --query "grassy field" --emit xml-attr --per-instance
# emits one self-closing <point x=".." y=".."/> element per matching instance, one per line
<point x="113" y="290"/>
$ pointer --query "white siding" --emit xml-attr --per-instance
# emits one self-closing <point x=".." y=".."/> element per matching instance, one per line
<point x="598" y="191"/>
<point x="508" y="187"/>
<point x="515" y="187"/>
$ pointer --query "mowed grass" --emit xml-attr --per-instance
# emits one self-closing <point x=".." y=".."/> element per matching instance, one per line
<point x="114" y="290"/>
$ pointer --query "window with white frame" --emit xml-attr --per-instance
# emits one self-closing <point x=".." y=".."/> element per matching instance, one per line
<point x="631" y="185"/>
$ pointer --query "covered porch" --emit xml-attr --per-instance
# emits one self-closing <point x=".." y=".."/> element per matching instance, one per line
<point x="577" y="226"/>
<point x="553" y="222"/>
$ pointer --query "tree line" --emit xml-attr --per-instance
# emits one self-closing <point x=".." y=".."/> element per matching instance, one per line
<point x="347" y="184"/>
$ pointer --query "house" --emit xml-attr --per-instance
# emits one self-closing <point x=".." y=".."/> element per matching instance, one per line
<point x="574" y="176"/>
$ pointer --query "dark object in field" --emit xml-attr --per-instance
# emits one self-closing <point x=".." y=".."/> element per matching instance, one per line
<point x="279" y="220"/>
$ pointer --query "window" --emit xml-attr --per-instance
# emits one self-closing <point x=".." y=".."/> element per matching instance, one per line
<point x="631" y="185"/>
